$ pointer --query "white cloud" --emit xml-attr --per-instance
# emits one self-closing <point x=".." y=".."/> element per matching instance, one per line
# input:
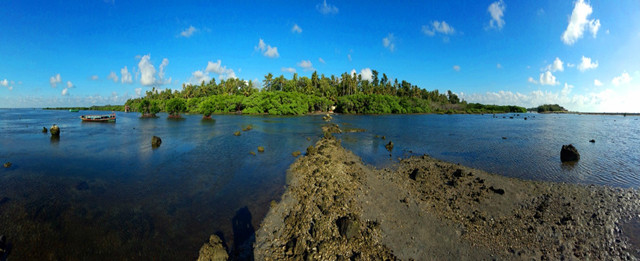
<point x="54" y="80"/>
<point x="69" y="84"/>
<point x="571" y="65"/>
<point x="567" y="89"/>
<point x="586" y="64"/>
<point x="296" y="29"/>
<point x="578" y="22"/>
<point x="220" y="70"/>
<point x="65" y="91"/>
<point x="531" y="80"/>
<point x="547" y="78"/>
<point x="4" y="83"/>
<point x="367" y="74"/>
<point x="306" y="65"/>
<point x="288" y="69"/>
<point x="349" y="57"/>
<point x="353" y="73"/>
<point x="557" y="65"/>
<point x="438" y="27"/>
<point x="267" y="50"/>
<point x="496" y="9"/>
<point x="325" y="8"/>
<point x="138" y="92"/>
<point x="125" y="76"/>
<point x="198" y="77"/>
<point x="148" y="72"/>
<point x="597" y="82"/>
<point x="113" y="76"/>
<point x="321" y="60"/>
<point x="456" y="68"/>
<point x="388" y="42"/>
<point x="499" y="66"/>
<point x="622" y="79"/>
<point x="186" y="33"/>
<point x="94" y="77"/>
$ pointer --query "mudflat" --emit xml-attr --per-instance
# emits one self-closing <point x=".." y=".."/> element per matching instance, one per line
<point x="337" y="208"/>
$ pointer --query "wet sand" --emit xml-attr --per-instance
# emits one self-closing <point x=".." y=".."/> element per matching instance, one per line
<point x="337" y="208"/>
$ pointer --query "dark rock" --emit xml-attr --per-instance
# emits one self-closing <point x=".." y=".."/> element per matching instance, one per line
<point x="389" y="146"/>
<point x="413" y="174"/>
<point x="383" y="137"/>
<point x="457" y="173"/>
<point x="504" y="138"/>
<point x="497" y="191"/>
<point x="348" y="227"/>
<point x="7" y="164"/>
<point x="569" y="153"/>
<point x="525" y="118"/>
<point x="155" y="141"/>
<point x="213" y="250"/>
<point x="260" y="149"/>
<point x="55" y="130"/>
<point x="592" y="141"/>
<point x="44" y="129"/>
<point x="237" y="133"/>
<point x="296" y="153"/>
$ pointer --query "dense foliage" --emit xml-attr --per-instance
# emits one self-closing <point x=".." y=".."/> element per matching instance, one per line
<point x="349" y="93"/>
<point x="549" y="108"/>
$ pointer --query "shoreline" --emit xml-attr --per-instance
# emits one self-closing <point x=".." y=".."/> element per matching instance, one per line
<point x="335" y="207"/>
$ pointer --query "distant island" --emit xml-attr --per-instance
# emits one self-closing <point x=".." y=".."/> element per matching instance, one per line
<point x="548" y="108"/>
<point x="347" y="93"/>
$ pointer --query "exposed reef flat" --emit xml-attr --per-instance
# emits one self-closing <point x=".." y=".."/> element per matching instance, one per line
<point x="337" y="208"/>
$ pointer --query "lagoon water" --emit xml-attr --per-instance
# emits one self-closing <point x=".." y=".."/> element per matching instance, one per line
<point x="101" y="192"/>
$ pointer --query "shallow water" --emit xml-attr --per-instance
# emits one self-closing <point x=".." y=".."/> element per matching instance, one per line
<point x="101" y="192"/>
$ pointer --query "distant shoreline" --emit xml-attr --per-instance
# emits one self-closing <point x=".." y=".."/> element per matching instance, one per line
<point x="594" y="113"/>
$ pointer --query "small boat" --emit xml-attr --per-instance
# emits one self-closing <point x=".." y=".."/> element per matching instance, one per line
<point x="99" y="118"/>
<point x="74" y="110"/>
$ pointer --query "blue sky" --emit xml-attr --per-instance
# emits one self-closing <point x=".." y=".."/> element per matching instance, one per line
<point x="581" y="54"/>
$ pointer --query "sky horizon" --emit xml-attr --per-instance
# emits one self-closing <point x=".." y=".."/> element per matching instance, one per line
<point x="580" y="54"/>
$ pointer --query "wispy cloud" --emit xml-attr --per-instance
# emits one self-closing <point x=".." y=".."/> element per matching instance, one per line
<point x="267" y="50"/>
<point x="389" y="42"/>
<point x="326" y="9"/>
<point x="186" y="33"/>
<point x="54" y="80"/>
<point x="321" y="60"/>
<point x="296" y="29"/>
<point x="113" y="76"/>
<point x="622" y="79"/>
<point x="496" y="10"/>
<point x="438" y="27"/>
<point x="306" y="65"/>
<point x="456" y="68"/>
<point x="288" y="69"/>
<point x="586" y="64"/>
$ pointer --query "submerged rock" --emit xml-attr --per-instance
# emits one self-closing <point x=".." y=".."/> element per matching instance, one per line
<point x="213" y="250"/>
<point x="260" y="149"/>
<point x="156" y="141"/>
<point x="389" y="146"/>
<point x="44" y="129"/>
<point x="252" y="153"/>
<point x="7" y="164"/>
<point x="296" y="153"/>
<point x="248" y="128"/>
<point x="55" y="130"/>
<point x="569" y="153"/>
<point x="237" y="133"/>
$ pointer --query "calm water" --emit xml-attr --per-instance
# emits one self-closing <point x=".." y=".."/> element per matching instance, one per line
<point x="102" y="192"/>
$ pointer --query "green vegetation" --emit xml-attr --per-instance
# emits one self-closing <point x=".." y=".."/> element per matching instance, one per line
<point x="548" y="108"/>
<point x="301" y="95"/>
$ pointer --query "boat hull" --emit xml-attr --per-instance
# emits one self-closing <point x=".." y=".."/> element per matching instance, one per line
<point x="99" y="118"/>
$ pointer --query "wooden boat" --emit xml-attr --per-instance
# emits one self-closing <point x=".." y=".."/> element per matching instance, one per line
<point x="99" y="118"/>
<point x="74" y="110"/>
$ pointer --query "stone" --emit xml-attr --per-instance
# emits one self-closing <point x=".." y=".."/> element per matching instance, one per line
<point x="348" y="227"/>
<point x="592" y="141"/>
<point x="156" y="141"/>
<point x="248" y="128"/>
<point x="569" y="153"/>
<point x="44" y="129"/>
<point x="7" y="164"/>
<point x="213" y="250"/>
<point x="55" y="130"/>
<point x="260" y="149"/>
<point x="237" y="133"/>
<point x="252" y="153"/>
<point x="504" y="138"/>
<point x="389" y="146"/>
<point x="296" y="153"/>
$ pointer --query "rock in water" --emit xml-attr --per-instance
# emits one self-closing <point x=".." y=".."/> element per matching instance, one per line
<point x="7" y="164"/>
<point x="569" y="153"/>
<point x="44" y="129"/>
<point x="260" y="149"/>
<point x="156" y="141"/>
<point x="296" y="153"/>
<point x="213" y="250"/>
<point x="389" y="146"/>
<point x="592" y="141"/>
<point x="237" y="133"/>
<point x="55" y="130"/>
